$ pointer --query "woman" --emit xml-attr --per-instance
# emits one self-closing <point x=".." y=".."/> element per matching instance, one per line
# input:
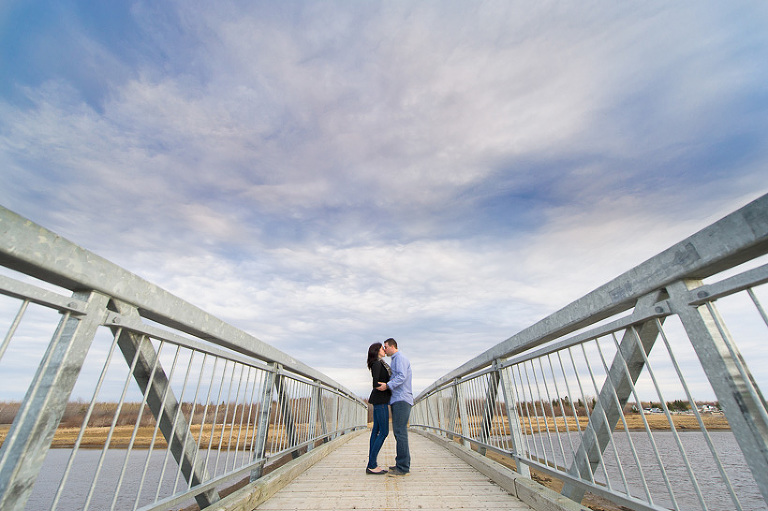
<point x="380" y="401"/>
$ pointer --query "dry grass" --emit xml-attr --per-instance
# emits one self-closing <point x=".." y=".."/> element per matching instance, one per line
<point x="656" y="422"/>
<point x="228" y="436"/>
<point x="95" y="437"/>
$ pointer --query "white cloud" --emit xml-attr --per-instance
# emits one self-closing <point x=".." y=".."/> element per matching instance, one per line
<point x="322" y="174"/>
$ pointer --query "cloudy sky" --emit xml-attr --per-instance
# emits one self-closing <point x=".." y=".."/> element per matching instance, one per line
<point x="328" y="174"/>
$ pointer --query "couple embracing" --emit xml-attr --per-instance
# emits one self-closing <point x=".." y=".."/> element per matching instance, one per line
<point x="392" y="387"/>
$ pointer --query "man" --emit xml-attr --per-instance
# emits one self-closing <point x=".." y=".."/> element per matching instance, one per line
<point x="401" y="402"/>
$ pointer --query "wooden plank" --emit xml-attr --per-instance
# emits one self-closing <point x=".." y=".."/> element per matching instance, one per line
<point x="438" y="480"/>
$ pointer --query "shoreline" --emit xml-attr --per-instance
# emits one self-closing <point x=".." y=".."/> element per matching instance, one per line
<point x="95" y="437"/>
<point x="635" y="422"/>
<point x="233" y="437"/>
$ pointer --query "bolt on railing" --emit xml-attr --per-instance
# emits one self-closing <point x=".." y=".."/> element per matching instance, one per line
<point x="605" y="395"/>
<point x="180" y="405"/>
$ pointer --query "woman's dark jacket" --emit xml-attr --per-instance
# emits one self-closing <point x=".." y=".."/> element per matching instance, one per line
<point x="380" y="373"/>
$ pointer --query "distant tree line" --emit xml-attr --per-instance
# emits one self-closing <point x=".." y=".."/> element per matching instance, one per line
<point x="565" y="407"/>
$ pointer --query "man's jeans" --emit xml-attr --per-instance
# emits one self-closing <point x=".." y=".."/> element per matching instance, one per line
<point x="401" y="411"/>
<point x="378" y="433"/>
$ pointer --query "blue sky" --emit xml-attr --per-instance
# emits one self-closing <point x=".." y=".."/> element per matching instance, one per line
<point x="329" y="174"/>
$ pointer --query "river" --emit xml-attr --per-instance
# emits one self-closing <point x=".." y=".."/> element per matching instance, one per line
<point x="707" y="475"/>
<point x="717" y="498"/>
<point x="79" y="482"/>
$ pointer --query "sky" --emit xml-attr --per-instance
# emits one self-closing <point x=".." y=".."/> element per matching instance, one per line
<point x="325" y="175"/>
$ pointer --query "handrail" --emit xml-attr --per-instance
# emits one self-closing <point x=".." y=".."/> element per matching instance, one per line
<point x="202" y="402"/>
<point x="557" y="397"/>
<point x="739" y="237"/>
<point x="36" y="251"/>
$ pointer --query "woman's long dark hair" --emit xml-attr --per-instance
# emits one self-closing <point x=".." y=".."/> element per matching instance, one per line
<point x="373" y="353"/>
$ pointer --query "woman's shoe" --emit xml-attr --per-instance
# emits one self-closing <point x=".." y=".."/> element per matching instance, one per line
<point x="374" y="472"/>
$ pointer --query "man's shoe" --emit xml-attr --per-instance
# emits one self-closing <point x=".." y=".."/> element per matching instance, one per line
<point x="397" y="472"/>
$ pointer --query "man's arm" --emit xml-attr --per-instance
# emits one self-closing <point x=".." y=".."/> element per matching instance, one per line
<point x="375" y="373"/>
<point x="398" y="375"/>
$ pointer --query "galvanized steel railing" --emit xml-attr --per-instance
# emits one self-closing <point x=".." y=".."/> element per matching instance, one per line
<point x="179" y="404"/>
<point x="605" y="395"/>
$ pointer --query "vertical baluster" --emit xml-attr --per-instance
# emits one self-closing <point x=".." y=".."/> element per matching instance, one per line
<point x="112" y="426"/>
<point x="525" y="411"/>
<point x="262" y="431"/>
<point x="197" y="454"/>
<point x="157" y="426"/>
<point x="542" y="399"/>
<point x="610" y="389"/>
<point x="519" y="446"/>
<point x="561" y="404"/>
<point x="573" y="410"/>
<point x="582" y="464"/>
<point x="231" y="422"/>
<point x="554" y="415"/>
<point x="179" y="410"/>
<point x="12" y="329"/>
<point x="136" y="427"/>
<point x="702" y="427"/>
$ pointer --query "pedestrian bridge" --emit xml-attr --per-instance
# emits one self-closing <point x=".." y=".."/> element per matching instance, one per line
<point x="644" y="394"/>
<point x="332" y="480"/>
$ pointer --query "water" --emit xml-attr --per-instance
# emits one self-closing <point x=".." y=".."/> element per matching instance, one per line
<point x="716" y="496"/>
<point x="79" y="482"/>
<point x="713" y="489"/>
<point x="82" y="473"/>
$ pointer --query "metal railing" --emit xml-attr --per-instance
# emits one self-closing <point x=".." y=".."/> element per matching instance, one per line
<point x="638" y="392"/>
<point x="179" y="405"/>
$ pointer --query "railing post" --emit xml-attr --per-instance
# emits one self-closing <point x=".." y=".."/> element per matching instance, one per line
<point x="265" y="412"/>
<point x="739" y="396"/>
<point x="314" y="405"/>
<point x="323" y="418"/>
<point x="463" y="417"/>
<point x="613" y="396"/>
<point x="433" y="419"/>
<point x="32" y="431"/>
<point x="335" y="415"/>
<point x="454" y="411"/>
<point x="342" y="415"/>
<point x="520" y="449"/>
<point x="284" y="400"/>
<point x="417" y="417"/>
<point x="441" y="422"/>
<point x="345" y="415"/>
<point x="489" y="407"/>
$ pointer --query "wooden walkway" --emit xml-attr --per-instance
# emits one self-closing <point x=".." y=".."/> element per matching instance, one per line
<point x="438" y="480"/>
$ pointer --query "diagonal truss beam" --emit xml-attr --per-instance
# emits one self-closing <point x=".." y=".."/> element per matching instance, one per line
<point x="611" y="400"/>
<point x="163" y="404"/>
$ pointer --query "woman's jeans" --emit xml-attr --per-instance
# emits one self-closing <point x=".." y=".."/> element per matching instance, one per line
<point x="378" y="433"/>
